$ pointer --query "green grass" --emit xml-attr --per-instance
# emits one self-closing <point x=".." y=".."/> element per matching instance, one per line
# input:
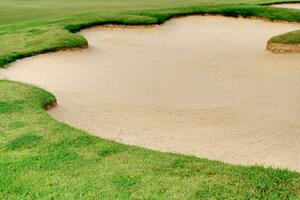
<point x="19" y="11"/>
<point x="41" y="158"/>
<point x="287" y="38"/>
<point x="29" y="27"/>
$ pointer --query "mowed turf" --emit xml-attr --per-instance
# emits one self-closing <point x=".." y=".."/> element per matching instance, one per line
<point x="18" y="11"/>
<point x="41" y="158"/>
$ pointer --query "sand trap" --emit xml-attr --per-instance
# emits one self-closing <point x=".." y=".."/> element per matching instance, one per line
<point x="288" y="5"/>
<point x="203" y="86"/>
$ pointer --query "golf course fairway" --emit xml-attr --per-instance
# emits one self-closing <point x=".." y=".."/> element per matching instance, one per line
<point x="202" y="86"/>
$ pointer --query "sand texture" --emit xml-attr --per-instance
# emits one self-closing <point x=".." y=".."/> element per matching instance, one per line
<point x="204" y="86"/>
<point x="288" y="5"/>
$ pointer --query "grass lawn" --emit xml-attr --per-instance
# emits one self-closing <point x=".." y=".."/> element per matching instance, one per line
<point x="44" y="159"/>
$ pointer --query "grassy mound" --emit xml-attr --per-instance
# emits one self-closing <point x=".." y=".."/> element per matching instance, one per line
<point x="287" y="38"/>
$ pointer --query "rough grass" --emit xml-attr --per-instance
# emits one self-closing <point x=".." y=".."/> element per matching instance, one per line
<point x="22" y="35"/>
<point x="41" y="158"/>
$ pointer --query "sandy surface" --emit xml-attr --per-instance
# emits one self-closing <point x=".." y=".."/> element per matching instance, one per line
<point x="203" y="86"/>
<point x="288" y="5"/>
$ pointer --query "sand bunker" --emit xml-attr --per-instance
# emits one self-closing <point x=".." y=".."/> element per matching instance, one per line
<point x="288" y="5"/>
<point x="203" y="86"/>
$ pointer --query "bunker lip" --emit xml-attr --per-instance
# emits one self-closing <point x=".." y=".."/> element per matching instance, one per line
<point x="50" y="105"/>
<point x="179" y="87"/>
<point x="271" y="46"/>
<point x="283" y="48"/>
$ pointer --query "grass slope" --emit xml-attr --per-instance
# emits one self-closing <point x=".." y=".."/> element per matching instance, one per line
<point x="31" y="27"/>
<point x="41" y="158"/>
<point x="287" y="38"/>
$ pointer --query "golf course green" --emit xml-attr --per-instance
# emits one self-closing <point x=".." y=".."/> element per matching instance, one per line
<point x="42" y="158"/>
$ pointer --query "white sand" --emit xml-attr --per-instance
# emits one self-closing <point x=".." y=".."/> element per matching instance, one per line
<point x="203" y="86"/>
<point x="288" y="5"/>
